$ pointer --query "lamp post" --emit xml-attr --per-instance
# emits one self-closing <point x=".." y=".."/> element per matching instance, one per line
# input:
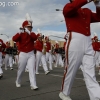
<point x="59" y="10"/>
<point x="62" y="21"/>
<point x="5" y="35"/>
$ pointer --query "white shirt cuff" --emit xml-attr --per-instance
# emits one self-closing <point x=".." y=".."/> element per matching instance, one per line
<point x="87" y="0"/>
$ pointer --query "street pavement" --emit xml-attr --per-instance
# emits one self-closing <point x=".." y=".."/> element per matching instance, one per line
<point x="49" y="86"/>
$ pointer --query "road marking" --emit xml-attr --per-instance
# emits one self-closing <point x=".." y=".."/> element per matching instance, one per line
<point x="55" y="75"/>
<point x="62" y="76"/>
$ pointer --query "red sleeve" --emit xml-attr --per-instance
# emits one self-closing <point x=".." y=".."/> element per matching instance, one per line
<point x="71" y="8"/>
<point x="38" y="46"/>
<point x="93" y="45"/>
<point x="4" y="45"/>
<point x="16" y="38"/>
<point x="96" y="46"/>
<point x="33" y="35"/>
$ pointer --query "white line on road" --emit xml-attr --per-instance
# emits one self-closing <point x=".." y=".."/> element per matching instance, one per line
<point x="62" y="76"/>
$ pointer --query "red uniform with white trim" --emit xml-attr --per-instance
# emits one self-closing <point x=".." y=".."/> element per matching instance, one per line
<point x="26" y="41"/>
<point x="79" y="47"/>
<point x="79" y="19"/>
<point x="49" y="57"/>
<point x="26" y="57"/>
<point x="40" y="57"/>
<point x="2" y="47"/>
<point x="39" y="45"/>
<point x="96" y="46"/>
<point x="48" y="44"/>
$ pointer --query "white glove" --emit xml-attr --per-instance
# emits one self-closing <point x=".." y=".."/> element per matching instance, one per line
<point x="42" y="50"/>
<point x="44" y="44"/>
<point x="21" y="31"/>
<point x="49" y="51"/>
<point x="26" y="30"/>
<point x="97" y="3"/>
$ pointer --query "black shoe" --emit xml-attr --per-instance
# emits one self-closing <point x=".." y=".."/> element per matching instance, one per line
<point x="1" y="76"/>
<point x="11" y="68"/>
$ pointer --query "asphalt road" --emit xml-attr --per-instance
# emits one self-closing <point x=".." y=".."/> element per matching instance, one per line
<point x="49" y="86"/>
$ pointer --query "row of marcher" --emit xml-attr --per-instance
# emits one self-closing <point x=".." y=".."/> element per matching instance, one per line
<point x="30" y="51"/>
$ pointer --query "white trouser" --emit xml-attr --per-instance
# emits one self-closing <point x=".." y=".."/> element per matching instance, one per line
<point x="54" y="58"/>
<point x="40" y="57"/>
<point x="49" y="59"/>
<point x="16" y="59"/>
<point x="3" y="61"/>
<point x="29" y="60"/>
<point x="81" y="52"/>
<point x="96" y="58"/>
<point x="99" y="59"/>
<point x="1" y="71"/>
<point x="40" y="64"/>
<point x="8" y="60"/>
<point x="26" y="67"/>
<point x="59" y="60"/>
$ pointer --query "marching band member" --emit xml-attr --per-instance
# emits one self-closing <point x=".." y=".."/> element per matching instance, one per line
<point x="79" y="47"/>
<point x="2" y="47"/>
<point x="49" y="57"/>
<point x="8" y="56"/>
<point x="53" y="53"/>
<point x="26" y="57"/>
<point x="40" y="54"/>
<point x="96" y="47"/>
<point x="3" y="57"/>
<point x="17" y="55"/>
<point x="59" y="60"/>
<point x="56" y="53"/>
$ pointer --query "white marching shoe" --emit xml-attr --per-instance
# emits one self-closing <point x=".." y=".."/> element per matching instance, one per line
<point x="18" y="85"/>
<point x="37" y="73"/>
<point x="26" y="70"/>
<point x="55" y="66"/>
<point x="34" y="87"/>
<point x="64" y="97"/>
<point x="5" y="68"/>
<point x="47" y="72"/>
<point x="99" y="73"/>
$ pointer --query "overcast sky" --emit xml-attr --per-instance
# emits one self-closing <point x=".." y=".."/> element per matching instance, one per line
<point x="42" y="13"/>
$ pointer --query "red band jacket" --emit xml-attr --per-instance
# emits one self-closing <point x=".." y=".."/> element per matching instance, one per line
<point x="26" y="41"/>
<point x="96" y="46"/>
<point x="39" y="45"/>
<point x="78" y="19"/>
